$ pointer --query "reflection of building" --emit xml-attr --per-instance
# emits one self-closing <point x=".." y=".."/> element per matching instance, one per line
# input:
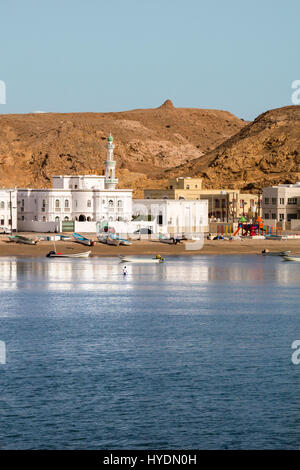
<point x="8" y="208"/>
<point x="222" y="204"/>
<point x="87" y="198"/>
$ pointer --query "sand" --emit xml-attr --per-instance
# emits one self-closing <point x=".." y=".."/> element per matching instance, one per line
<point x="148" y="247"/>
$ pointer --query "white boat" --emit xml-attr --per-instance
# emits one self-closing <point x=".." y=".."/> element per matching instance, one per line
<point x="140" y="259"/>
<point x="291" y="258"/>
<point x="53" y="254"/>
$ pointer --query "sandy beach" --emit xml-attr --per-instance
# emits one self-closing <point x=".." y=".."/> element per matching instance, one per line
<point x="151" y="247"/>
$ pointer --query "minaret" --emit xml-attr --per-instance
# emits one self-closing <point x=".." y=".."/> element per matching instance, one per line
<point x="110" y="165"/>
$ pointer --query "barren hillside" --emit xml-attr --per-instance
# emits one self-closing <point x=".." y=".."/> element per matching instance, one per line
<point x="148" y="141"/>
<point x="265" y="152"/>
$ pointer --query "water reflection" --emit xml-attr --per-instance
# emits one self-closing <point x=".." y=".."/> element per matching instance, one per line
<point x="106" y="273"/>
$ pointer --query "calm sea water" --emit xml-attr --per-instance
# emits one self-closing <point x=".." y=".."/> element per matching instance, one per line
<point x="193" y="353"/>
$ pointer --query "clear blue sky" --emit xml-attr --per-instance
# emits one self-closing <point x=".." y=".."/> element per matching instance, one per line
<point x="113" y="55"/>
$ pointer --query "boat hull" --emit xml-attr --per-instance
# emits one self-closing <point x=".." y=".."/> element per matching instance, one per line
<point x="292" y="258"/>
<point x="133" y="259"/>
<point x="85" y="254"/>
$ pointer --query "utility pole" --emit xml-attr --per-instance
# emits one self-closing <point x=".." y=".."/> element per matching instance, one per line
<point x="10" y="212"/>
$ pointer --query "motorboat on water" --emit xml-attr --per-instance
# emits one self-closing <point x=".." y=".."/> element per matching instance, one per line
<point x="83" y="240"/>
<point x="22" y="239"/>
<point x="291" y="258"/>
<point x="54" y="254"/>
<point x="140" y="259"/>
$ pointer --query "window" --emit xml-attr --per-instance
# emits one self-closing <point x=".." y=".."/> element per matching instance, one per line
<point x="273" y="200"/>
<point x="89" y="203"/>
<point x="242" y="203"/>
<point x="67" y="204"/>
<point x="252" y="203"/>
<point x="22" y="217"/>
<point x="2" y="205"/>
<point x="120" y="204"/>
<point x="187" y="186"/>
<point x="291" y="216"/>
<point x="196" y="186"/>
<point x="2" y="222"/>
<point x="273" y="216"/>
<point x="266" y="200"/>
<point x="223" y="203"/>
<point x="44" y="203"/>
<point x="8" y="205"/>
<point x="292" y="200"/>
<point x="110" y="203"/>
<point x="281" y="200"/>
<point x="217" y="203"/>
<point x="66" y="218"/>
<point x="281" y="216"/>
<point x="267" y="216"/>
<point x="57" y="204"/>
<point x="57" y="219"/>
<point x="171" y="187"/>
<point x="44" y="219"/>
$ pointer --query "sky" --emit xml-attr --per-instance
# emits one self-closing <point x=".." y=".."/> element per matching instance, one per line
<point x="115" y="55"/>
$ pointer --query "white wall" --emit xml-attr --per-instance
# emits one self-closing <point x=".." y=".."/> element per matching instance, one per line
<point x="35" y="226"/>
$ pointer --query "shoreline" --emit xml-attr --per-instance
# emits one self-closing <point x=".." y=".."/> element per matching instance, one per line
<point x="147" y="247"/>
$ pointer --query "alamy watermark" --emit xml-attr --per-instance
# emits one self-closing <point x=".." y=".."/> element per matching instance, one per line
<point x="2" y="92"/>
<point x="2" y="352"/>
<point x="296" y="93"/>
<point x="296" y="353"/>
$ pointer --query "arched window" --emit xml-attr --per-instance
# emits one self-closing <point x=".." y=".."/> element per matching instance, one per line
<point x="66" y="218"/>
<point x="57" y="219"/>
<point x="88" y="219"/>
<point x="67" y="204"/>
<point x="89" y="203"/>
<point x="82" y="218"/>
<point x="2" y="205"/>
<point x="57" y="204"/>
<point x="44" y="219"/>
<point x="120" y="204"/>
<point x="110" y="203"/>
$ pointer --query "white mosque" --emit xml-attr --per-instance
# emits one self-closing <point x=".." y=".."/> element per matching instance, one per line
<point x="82" y="198"/>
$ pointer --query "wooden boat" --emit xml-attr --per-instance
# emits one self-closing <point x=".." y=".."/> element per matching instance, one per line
<point x="54" y="254"/>
<point x="102" y="238"/>
<point x="275" y="253"/>
<point x="112" y="241"/>
<point x="25" y="240"/>
<point x="140" y="259"/>
<point x="83" y="240"/>
<point x="291" y="258"/>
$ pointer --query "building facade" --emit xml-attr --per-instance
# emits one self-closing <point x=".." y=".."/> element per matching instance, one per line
<point x="281" y="203"/>
<point x="227" y="204"/>
<point x="173" y="216"/>
<point x="8" y="209"/>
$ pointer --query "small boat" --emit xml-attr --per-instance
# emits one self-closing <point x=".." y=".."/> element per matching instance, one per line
<point x="83" y="240"/>
<point x="110" y="240"/>
<point x="291" y="258"/>
<point x="275" y="253"/>
<point x="54" y="254"/>
<point x="102" y="238"/>
<point x="140" y="259"/>
<point x="25" y="240"/>
<point x="124" y="242"/>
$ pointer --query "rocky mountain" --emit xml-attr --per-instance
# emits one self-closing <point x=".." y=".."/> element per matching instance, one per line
<point x="264" y="152"/>
<point x="33" y="147"/>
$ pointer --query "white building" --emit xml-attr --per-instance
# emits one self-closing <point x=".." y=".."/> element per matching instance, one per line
<point x="8" y="209"/>
<point x="173" y="216"/>
<point x="86" y="198"/>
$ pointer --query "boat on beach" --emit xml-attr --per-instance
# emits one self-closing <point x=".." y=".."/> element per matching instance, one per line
<point x="83" y="240"/>
<point x="54" y="254"/>
<point x="275" y="253"/>
<point x="112" y="241"/>
<point x="22" y="239"/>
<point x="140" y="259"/>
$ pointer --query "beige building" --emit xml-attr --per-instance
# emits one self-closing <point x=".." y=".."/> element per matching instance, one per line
<point x="227" y="204"/>
<point x="281" y="203"/>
